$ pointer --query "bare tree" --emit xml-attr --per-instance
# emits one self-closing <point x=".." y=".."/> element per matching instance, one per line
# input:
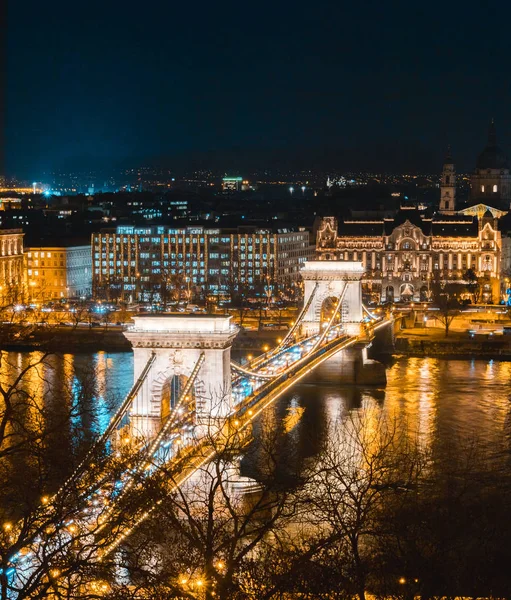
<point x="203" y="537"/>
<point x="445" y="296"/>
<point x="366" y="459"/>
<point x="43" y="543"/>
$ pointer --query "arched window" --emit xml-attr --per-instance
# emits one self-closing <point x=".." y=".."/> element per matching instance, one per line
<point x="494" y="189"/>
<point x="447" y="179"/>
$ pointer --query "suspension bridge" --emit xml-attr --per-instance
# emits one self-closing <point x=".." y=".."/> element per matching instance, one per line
<point x="187" y="390"/>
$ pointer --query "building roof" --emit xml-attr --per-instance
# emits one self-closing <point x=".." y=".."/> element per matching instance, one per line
<point x="440" y="225"/>
<point x="413" y="216"/>
<point x="455" y="229"/>
<point x="361" y="228"/>
<point x="478" y="209"/>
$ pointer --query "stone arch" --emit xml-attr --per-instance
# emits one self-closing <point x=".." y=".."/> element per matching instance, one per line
<point x="327" y="309"/>
<point x="171" y="391"/>
<point x="327" y="279"/>
<point x="408" y="243"/>
<point x="166" y="389"/>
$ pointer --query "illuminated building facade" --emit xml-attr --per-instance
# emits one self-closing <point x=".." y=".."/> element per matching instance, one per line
<point x="54" y="273"/>
<point x="235" y="184"/>
<point x="232" y="184"/>
<point x="139" y="264"/>
<point x="11" y="265"/>
<point x="403" y="255"/>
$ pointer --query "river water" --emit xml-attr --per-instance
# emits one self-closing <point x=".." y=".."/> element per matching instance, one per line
<point x="444" y="402"/>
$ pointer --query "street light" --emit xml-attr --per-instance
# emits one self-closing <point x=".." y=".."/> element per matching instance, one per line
<point x="291" y="190"/>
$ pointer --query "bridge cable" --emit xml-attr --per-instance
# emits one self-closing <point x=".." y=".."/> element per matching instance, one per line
<point x="298" y="320"/>
<point x="364" y="307"/>
<point x="263" y="358"/>
<point x="254" y="374"/>
<point x="146" y="514"/>
<point x="319" y="341"/>
<point x="153" y="447"/>
<point x="114" y="422"/>
<point x="314" y="347"/>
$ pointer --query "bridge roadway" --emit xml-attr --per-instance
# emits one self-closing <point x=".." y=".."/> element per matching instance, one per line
<point x="181" y="451"/>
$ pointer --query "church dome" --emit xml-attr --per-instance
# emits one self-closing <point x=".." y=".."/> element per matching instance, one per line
<point x="492" y="157"/>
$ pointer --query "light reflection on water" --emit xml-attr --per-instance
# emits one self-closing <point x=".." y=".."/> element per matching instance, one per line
<point x="442" y="401"/>
<point x="444" y="404"/>
<point x="99" y="381"/>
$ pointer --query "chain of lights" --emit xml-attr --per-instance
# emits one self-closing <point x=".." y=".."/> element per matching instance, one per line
<point x="332" y="318"/>
<point x="298" y="320"/>
<point x="247" y="407"/>
<point x="253" y="374"/>
<point x="261" y="359"/>
<point x="114" y="421"/>
<point x="152" y="448"/>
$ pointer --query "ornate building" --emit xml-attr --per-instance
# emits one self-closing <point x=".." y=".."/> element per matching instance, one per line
<point x="403" y="255"/>
<point x="11" y="265"/>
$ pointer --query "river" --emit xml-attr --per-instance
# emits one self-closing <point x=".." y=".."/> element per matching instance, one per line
<point x="445" y="403"/>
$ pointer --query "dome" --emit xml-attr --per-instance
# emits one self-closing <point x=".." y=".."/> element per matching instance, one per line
<point x="492" y="157"/>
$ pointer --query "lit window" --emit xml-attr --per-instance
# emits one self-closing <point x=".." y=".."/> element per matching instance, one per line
<point x="494" y="189"/>
<point x="482" y="189"/>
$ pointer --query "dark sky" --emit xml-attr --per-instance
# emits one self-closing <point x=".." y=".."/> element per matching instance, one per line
<point x="364" y="85"/>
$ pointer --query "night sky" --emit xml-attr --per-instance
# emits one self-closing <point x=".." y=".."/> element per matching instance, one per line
<point x="364" y="85"/>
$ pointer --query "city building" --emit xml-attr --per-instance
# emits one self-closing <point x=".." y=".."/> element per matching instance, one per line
<point x="404" y="255"/>
<point x="79" y="271"/>
<point x="149" y="264"/>
<point x="56" y="272"/>
<point x="232" y="184"/>
<point x="11" y="265"/>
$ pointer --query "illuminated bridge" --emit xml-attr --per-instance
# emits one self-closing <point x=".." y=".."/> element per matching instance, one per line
<point x="187" y="390"/>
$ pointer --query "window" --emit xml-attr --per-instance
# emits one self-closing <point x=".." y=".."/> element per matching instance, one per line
<point x="482" y="189"/>
<point x="494" y="189"/>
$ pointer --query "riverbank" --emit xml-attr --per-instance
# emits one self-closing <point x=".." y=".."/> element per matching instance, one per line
<point x="109" y="339"/>
<point x="434" y="343"/>
<point x="408" y="342"/>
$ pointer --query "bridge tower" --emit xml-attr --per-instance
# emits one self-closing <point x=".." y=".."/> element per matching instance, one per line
<point x="332" y="279"/>
<point x="183" y="345"/>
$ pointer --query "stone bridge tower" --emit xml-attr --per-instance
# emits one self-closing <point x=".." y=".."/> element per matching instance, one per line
<point x="179" y="342"/>
<point x="324" y="279"/>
